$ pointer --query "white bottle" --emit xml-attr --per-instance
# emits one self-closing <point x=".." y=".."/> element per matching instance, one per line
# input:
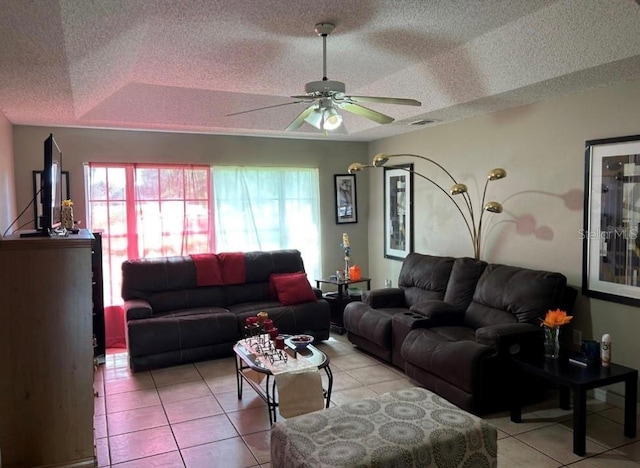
<point x="605" y="350"/>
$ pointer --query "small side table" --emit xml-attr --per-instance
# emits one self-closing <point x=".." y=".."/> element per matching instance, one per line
<point x="338" y="300"/>
<point x="580" y="379"/>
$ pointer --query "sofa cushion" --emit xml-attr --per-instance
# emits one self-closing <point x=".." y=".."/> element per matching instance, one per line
<point x="374" y="324"/>
<point x="141" y="277"/>
<point x="507" y="294"/>
<point x="173" y="331"/>
<point x="462" y="282"/>
<point x="424" y="277"/>
<point x="259" y="265"/>
<point x="208" y="296"/>
<point x="451" y="353"/>
<point x="311" y="317"/>
<point x="293" y="289"/>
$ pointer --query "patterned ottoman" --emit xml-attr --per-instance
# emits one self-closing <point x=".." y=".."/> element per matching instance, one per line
<point x="406" y="428"/>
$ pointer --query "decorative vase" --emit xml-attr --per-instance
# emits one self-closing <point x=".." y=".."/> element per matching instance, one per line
<point x="346" y="269"/>
<point x="552" y="342"/>
<point x="66" y="217"/>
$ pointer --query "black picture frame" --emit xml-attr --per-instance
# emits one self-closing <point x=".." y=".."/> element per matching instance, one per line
<point x="398" y="211"/>
<point x="37" y="200"/>
<point x="611" y="244"/>
<point x="345" y="198"/>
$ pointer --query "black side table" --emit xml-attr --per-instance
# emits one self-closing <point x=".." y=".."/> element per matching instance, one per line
<point x="339" y="299"/>
<point x="579" y="379"/>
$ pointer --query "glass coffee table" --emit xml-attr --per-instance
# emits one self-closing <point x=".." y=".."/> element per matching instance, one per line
<point x="259" y="360"/>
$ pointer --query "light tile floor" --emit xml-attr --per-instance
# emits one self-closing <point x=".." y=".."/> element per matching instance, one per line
<point x="190" y="416"/>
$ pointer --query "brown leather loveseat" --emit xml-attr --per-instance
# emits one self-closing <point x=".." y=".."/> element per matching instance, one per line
<point x="191" y="308"/>
<point x="452" y="324"/>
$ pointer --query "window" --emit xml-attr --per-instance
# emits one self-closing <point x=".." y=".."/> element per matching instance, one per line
<point x="145" y="211"/>
<point x="260" y="208"/>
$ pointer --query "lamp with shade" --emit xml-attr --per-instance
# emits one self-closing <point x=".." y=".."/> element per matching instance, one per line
<point x="465" y="208"/>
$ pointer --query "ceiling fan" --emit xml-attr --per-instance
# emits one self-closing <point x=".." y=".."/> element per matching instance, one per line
<point x="326" y="96"/>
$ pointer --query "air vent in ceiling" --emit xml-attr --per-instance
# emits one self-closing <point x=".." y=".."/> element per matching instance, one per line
<point x="422" y="122"/>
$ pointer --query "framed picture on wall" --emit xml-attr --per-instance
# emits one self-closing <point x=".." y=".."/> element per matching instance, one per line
<point x="398" y="211"/>
<point x="345" y="196"/>
<point x="37" y="200"/>
<point x="611" y="240"/>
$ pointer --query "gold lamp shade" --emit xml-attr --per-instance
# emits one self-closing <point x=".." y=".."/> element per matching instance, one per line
<point x="493" y="207"/>
<point x="355" y="167"/>
<point x="457" y="189"/>
<point x="497" y="173"/>
<point x="380" y="159"/>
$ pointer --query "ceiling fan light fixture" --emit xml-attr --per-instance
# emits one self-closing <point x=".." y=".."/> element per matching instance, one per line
<point x="315" y="118"/>
<point x="332" y="119"/>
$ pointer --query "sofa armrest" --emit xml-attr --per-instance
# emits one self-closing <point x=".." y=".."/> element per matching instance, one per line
<point x="439" y="313"/>
<point x="512" y="338"/>
<point x="135" y="309"/>
<point x="317" y="292"/>
<point x="384" y="298"/>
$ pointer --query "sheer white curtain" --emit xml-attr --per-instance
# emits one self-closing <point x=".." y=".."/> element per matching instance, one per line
<point x="268" y="208"/>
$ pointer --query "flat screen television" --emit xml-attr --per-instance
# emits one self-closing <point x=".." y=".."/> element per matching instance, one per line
<point x="50" y="193"/>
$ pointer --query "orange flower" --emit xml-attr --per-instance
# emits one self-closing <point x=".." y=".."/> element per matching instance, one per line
<point x="555" y="318"/>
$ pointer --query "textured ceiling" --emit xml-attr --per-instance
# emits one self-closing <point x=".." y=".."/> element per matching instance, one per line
<point x="183" y="65"/>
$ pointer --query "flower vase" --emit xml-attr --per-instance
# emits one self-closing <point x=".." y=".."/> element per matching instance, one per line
<point x="66" y="217"/>
<point x="552" y="342"/>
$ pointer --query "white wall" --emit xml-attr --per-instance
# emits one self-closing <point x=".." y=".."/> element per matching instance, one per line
<point x="87" y="145"/>
<point x="7" y="187"/>
<point x="541" y="146"/>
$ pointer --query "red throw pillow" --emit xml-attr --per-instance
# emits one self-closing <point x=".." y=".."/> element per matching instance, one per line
<point x="293" y="289"/>
<point x="272" y="287"/>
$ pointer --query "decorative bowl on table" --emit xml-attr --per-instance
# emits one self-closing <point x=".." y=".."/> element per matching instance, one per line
<point x="301" y="341"/>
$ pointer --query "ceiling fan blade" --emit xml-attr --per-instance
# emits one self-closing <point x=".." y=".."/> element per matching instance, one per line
<point x="383" y="100"/>
<point x="306" y="97"/>
<point x="299" y="120"/>
<point x="365" y="112"/>
<point x="263" y="108"/>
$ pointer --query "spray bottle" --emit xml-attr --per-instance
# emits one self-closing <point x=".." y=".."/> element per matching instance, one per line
<point x="605" y="350"/>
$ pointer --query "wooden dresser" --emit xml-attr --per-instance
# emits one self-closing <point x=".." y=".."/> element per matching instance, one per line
<point x="46" y="354"/>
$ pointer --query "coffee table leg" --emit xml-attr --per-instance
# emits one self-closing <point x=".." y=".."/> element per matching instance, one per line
<point x="275" y="403"/>
<point x="630" y="396"/>
<point x="329" y="385"/>
<point x="271" y="399"/>
<point x="239" y="377"/>
<point x="579" y="421"/>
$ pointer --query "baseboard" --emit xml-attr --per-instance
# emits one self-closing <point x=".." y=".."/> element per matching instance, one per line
<point x="610" y="397"/>
<point x="82" y="463"/>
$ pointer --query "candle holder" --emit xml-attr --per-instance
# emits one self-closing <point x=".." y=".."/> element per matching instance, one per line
<point x="251" y="330"/>
<point x="279" y="342"/>
<point x="262" y="316"/>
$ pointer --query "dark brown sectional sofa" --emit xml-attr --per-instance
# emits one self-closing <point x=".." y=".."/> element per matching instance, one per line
<point x="191" y="308"/>
<point x="453" y="323"/>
